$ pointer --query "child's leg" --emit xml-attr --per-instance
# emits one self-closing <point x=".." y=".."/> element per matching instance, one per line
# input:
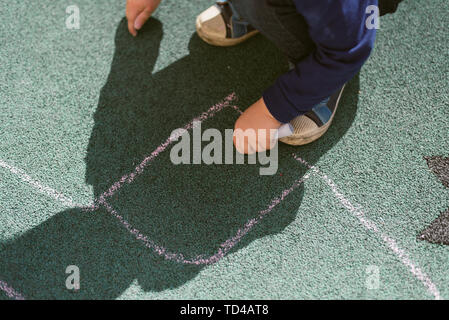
<point x="279" y="21"/>
<point x="230" y="22"/>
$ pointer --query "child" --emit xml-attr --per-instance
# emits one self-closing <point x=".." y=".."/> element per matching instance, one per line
<point x="326" y="42"/>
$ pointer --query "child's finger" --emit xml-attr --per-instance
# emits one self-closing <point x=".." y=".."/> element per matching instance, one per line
<point x="142" y="18"/>
<point x="131" y="27"/>
<point x="131" y="15"/>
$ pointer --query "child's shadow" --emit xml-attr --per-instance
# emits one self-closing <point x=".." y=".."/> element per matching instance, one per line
<point x="187" y="209"/>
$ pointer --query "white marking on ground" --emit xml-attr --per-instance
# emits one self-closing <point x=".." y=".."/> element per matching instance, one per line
<point x="67" y="201"/>
<point x="367" y="223"/>
<point x="370" y="225"/>
<point x="10" y="292"/>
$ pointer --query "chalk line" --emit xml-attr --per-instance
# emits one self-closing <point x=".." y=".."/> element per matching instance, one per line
<point x="67" y="201"/>
<point x="10" y="292"/>
<point x="128" y="178"/>
<point x="370" y="225"/>
<point x="224" y="248"/>
<point x="227" y="245"/>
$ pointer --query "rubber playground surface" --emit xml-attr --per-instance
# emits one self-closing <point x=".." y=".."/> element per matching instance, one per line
<point x="86" y="178"/>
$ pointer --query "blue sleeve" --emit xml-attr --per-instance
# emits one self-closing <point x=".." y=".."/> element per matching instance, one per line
<point x="343" y="44"/>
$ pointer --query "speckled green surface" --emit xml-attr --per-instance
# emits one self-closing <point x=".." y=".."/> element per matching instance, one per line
<point x="81" y="108"/>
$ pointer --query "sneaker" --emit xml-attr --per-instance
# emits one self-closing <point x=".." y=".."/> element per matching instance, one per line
<point x="220" y="25"/>
<point x="313" y="124"/>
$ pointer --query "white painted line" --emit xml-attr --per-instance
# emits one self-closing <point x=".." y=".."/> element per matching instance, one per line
<point x="38" y="185"/>
<point x="224" y="247"/>
<point x="370" y="225"/>
<point x="10" y="292"/>
<point x="129" y="178"/>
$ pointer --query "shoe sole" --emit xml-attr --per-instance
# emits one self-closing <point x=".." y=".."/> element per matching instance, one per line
<point x="300" y="140"/>
<point x="222" y="42"/>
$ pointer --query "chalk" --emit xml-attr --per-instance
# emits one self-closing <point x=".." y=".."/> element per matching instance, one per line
<point x="10" y="292"/>
<point x="285" y="131"/>
<point x="371" y="226"/>
<point x="224" y="248"/>
<point x="67" y="201"/>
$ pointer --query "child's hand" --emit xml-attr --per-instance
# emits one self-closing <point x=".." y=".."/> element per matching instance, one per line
<point x="255" y="117"/>
<point x="138" y="12"/>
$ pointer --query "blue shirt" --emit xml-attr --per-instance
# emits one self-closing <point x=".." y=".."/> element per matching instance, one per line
<point x="343" y="43"/>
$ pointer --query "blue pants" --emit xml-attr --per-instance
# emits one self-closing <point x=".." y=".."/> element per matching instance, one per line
<point x="279" y="21"/>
